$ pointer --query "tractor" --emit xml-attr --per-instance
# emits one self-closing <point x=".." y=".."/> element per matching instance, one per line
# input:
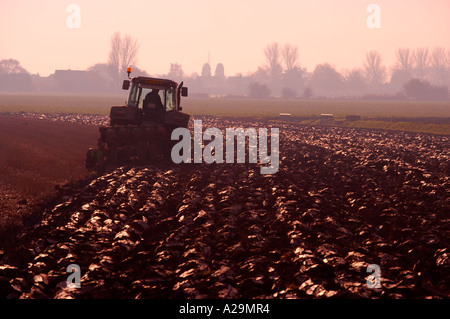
<point x="140" y="131"/>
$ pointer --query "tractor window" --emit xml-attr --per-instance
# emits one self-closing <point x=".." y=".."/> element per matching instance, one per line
<point x="132" y="101"/>
<point x="170" y="99"/>
<point x="147" y="95"/>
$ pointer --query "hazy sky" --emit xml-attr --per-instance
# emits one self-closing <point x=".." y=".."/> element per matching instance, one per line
<point x="35" y="32"/>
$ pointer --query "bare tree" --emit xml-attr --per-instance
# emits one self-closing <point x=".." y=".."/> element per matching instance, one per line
<point x="289" y="54"/>
<point x="122" y="54"/>
<point x="11" y="66"/>
<point x="114" y="59"/>
<point x="129" y="51"/>
<point x="438" y="62"/>
<point x="176" y="71"/>
<point x="421" y="61"/>
<point x="375" y="71"/>
<point x="404" y="59"/>
<point x="272" y="54"/>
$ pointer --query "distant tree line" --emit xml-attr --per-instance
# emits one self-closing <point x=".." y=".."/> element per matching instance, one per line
<point x="417" y="74"/>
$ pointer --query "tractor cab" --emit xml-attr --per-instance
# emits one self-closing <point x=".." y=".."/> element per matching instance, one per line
<point x="140" y="130"/>
<point x="150" y="100"/>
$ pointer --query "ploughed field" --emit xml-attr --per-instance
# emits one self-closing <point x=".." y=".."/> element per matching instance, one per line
<point x="342" y="199"/>
<point x="35" y="156"/>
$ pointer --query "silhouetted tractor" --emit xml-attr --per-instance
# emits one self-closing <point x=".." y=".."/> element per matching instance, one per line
<point x="140" y="131"/>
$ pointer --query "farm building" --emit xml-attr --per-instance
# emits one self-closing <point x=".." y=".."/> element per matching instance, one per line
<point x="326" y="119"/>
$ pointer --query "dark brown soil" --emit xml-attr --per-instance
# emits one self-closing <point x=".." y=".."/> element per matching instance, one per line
<point x="342" y="200"/>
<point x="35" y="156"/>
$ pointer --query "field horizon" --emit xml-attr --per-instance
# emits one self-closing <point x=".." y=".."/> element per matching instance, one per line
<point x="404" y="115"/>
<point x="80" y="103"/>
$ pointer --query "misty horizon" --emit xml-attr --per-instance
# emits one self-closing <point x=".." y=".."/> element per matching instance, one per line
<point x="390" y="68"/>
<point x="60" y="36"/>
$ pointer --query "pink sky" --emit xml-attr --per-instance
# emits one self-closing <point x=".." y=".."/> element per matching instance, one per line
<point x="231" y="32"/>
